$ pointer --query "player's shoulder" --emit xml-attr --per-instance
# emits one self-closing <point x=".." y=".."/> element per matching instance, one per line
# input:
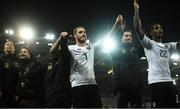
<point x="72" y="47"/>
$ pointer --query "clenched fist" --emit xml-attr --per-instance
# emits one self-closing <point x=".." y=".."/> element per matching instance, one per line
<point x="119" y="19"/>
<point x="136" y="4"/>
<point x="63" y="34"/>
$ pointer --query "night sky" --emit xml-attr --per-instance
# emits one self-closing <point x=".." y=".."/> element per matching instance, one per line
<point x="97" y="16"/>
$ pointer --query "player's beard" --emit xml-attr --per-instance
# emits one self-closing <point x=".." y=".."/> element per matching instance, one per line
<point x="80" y="40"/>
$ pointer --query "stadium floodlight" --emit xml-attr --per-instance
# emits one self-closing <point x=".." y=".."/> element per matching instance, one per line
<point x="49" y="36"/>
<point x="26" y="33"/>
<point x="6" y="31"/>
<point x="108" y="45"/>
<point x="9" y="31"/>
<point x="177" y="75"/>
<point x="175" y="56"/>
<point x="175" y="63"/>
<point x="37" y="43"/>
<point x="50" y="44"/>
<point x="20" y="42"/>
<point x="147" y="70"/>
<point x="174" y="82"/>
<point x="110" y="71"/>
<point x="143" y="58"/>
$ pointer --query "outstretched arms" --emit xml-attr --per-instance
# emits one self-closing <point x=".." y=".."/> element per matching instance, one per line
<point x="118" y="24"/>
<point x="137" y="21"/>
<point x="57" y="44"/>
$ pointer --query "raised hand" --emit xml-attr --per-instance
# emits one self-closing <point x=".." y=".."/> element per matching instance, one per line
<point x="119" y="19"/>
<point x="136" y="4"/>
<point x="64" y="34"/>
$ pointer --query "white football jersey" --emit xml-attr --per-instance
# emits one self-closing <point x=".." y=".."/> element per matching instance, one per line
<point x="158" y="60"/>
<point x="82" y="70"/>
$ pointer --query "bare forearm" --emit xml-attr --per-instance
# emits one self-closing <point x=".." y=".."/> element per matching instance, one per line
<point x="114" y="28"/>
<point x="137" y="20"/>
<point x="118" y="25"/>
<point x="137" y="24"/>
<point x="56" y="45"/>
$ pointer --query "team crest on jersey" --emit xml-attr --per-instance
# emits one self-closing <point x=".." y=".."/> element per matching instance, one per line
<point x="160" y="44"/>
<point x="79" y="49"/>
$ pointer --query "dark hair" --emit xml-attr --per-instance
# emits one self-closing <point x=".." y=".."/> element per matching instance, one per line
<point x="26" y="49"/>
<point x="75" y="30"/>
<point x="31" y="55"/>
<point x="150" y="28"/>
<point x="127" y="30"/>
<point x="8" y="40"/>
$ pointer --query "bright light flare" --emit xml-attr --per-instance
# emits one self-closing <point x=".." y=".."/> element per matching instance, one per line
<point x="108" y="44"/>
<point x="49" y="36"/>
<point x="9" y="31"/>
<point x="26" y="33"/>
<point x="175" y="56"/>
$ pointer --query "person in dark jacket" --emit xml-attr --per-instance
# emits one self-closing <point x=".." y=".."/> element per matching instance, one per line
<point x="31" y="85"/>
<point x="8" y="75"/>
<point x="58" y="77"/>
<point x="126" y="67"/>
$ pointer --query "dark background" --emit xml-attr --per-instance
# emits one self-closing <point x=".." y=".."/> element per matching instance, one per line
<point x="97" y="16"/>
